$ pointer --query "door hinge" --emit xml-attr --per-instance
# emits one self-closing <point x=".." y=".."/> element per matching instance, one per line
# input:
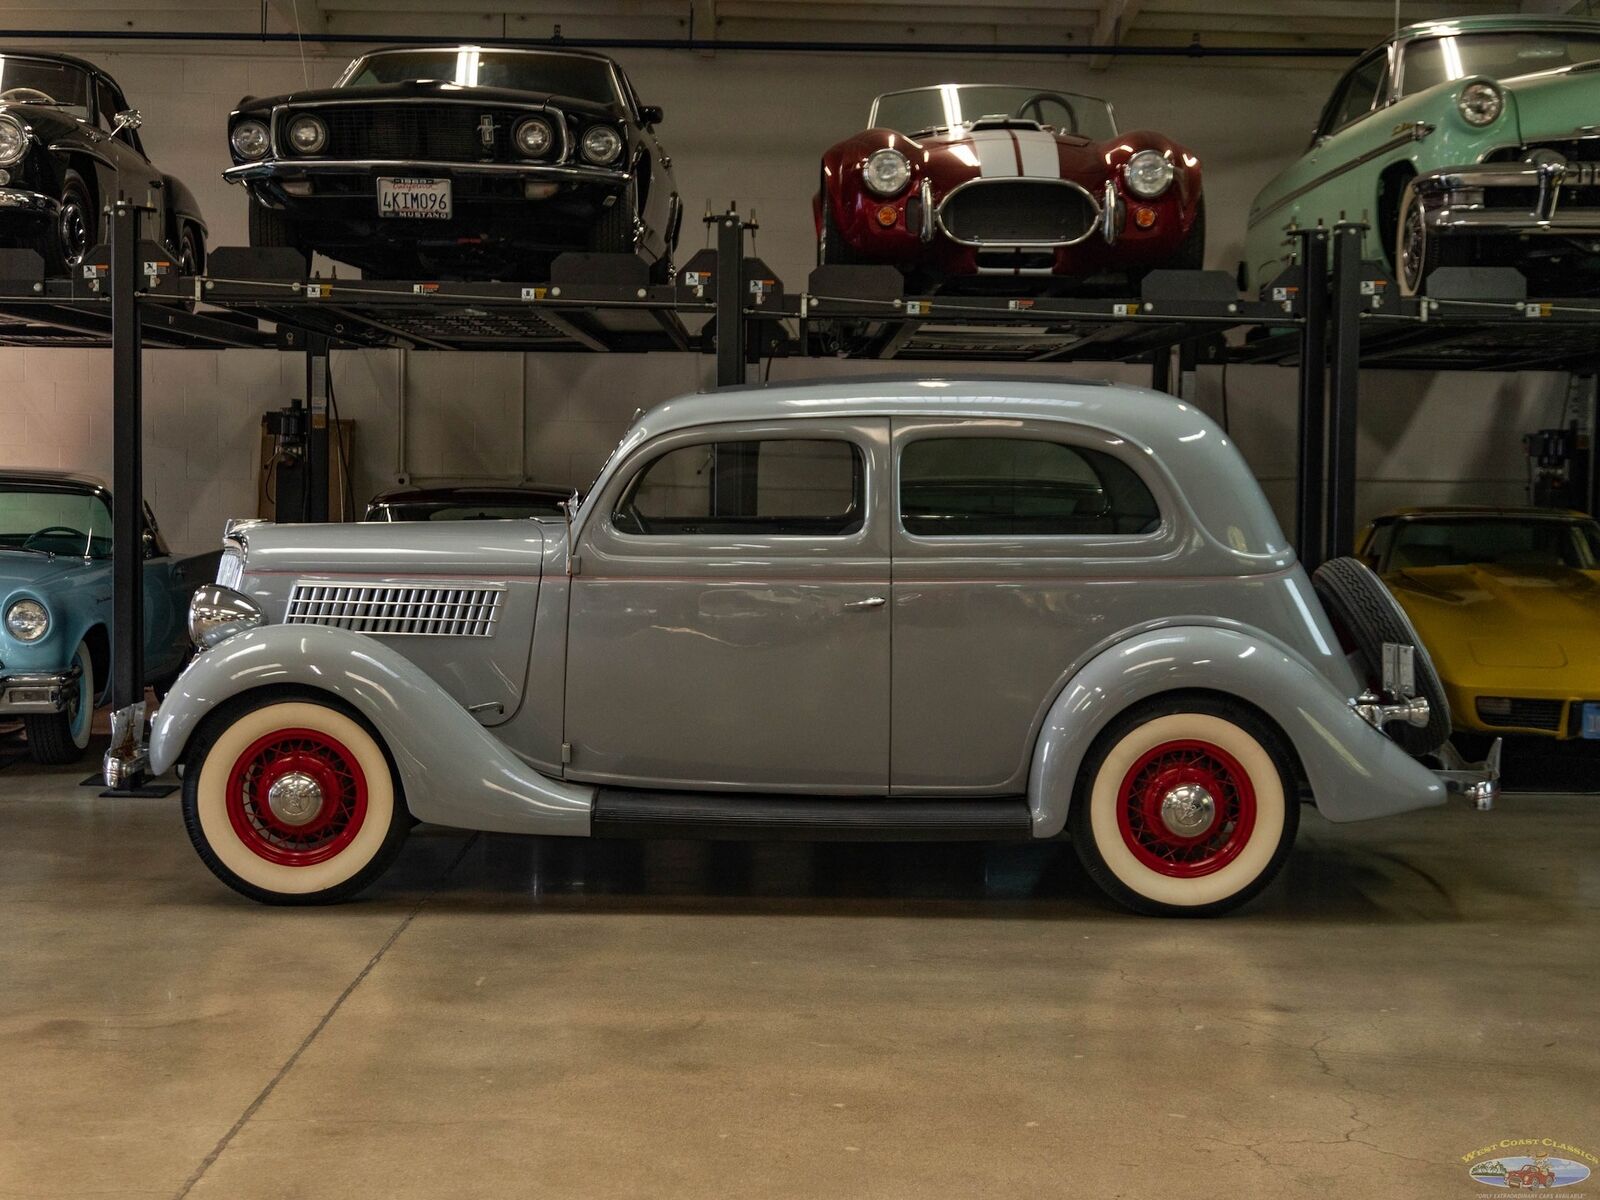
<point x="566" y="752"/>
<point x="574" y="565"/>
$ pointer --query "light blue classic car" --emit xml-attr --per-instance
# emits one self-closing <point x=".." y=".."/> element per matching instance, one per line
<point x="55" y="606"/>
<point x="1472" y="141"/>
<point x="912" y="610"/>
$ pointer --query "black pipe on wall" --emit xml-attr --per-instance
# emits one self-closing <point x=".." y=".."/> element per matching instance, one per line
<point x="938" y="49"/>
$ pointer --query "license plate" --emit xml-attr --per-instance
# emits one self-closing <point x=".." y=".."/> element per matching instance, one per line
<point x="418" y="199"/>
<point x="1591" y="719"/>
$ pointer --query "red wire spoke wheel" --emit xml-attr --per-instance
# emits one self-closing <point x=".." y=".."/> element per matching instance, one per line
<point x="297" y="797"/>
<point x="291" y="798"/>
<point x="1187" y="808"/>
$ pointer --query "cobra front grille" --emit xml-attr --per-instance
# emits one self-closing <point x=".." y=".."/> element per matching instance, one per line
<point x="398" y="609"/>
<point x="438" y="132"/>
<point x="1018" y="212"/>
<point x="1510" y="713"/>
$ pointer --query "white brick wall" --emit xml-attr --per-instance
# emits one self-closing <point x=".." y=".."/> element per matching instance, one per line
<point x="740" y="127"/>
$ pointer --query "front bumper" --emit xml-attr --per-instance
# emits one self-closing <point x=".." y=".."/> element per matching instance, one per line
<point x="28" y="204"/>
<point x="1513" y="198"/>
<point x="288" y="170"/>
<point x="35" y="693"/>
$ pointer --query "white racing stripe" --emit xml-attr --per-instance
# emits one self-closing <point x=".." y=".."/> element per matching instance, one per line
<point x="997" y="153"/>
<point x="1040" y="158"/>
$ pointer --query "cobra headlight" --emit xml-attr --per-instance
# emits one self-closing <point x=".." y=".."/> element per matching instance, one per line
<point x="217" y="613"/>
<point x="307" y="134"/>
<point x="1149" y="173"/>
<point x="886" y="172"/>
<point x="27" y="620"/>
<point x="601" y="144"/>
<point x="13" y="140"/>
<point x="1480" y="104"/>
<point x="250" y="139"/>
<point x="534" y="137"/>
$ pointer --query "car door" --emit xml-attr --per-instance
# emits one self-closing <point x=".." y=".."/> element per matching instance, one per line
<point x="728" y="624"/>
<point x="1019" y="549"/>
<point x="1333" y="179"/>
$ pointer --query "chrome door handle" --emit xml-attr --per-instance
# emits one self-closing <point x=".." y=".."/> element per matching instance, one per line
<point x="869" y="602"/>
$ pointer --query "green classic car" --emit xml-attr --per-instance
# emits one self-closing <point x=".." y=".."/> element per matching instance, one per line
<point x="1464" y="141"/>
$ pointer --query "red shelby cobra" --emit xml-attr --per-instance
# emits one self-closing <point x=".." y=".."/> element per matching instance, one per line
<point x="990" y="182"/>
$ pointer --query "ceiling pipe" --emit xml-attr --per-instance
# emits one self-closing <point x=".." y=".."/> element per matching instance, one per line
<point x="700" y="45"/>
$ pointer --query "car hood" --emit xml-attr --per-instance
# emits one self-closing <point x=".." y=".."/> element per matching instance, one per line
<point x="429" y="89"/>
<point x="1503" y="617"/>
<point x="1553" y="104"/>
<point x="35" y="572"/>
<point x="1014" y="148"/>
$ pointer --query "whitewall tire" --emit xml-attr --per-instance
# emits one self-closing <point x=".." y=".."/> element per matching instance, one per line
<point x="1187" y="805"/>
<point x="292" y="800"/>
<point x="57" y="738"/>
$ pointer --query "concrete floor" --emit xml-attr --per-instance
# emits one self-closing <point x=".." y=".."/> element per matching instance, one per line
<point x="508" y="1017"/>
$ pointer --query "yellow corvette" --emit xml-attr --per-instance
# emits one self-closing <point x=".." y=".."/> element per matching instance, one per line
<point x="1507" y="601"/>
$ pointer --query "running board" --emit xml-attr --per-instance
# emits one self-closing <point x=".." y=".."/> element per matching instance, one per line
<point x="625" y="813"/>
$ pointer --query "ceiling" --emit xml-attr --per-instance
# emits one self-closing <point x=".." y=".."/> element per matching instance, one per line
<point x="1290" y="25"/>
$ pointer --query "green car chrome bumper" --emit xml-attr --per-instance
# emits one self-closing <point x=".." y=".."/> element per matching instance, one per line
<point x="1514" y="198"/>
<point x="35" y="692"/>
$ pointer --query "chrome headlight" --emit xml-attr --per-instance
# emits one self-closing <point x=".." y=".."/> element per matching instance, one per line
<point x="307" y="134"/>
<point x="601" y="144"/>
<point x="250" y="139"/>
<point x="217" y="613"/>
<point x="1149" y="173"/>
<point x="13" y="140"/>
<point x="534" y="137"/>
<point x="1480" y="104"/>
<point x="886" y="173"/>
<point x="27" y="620"/>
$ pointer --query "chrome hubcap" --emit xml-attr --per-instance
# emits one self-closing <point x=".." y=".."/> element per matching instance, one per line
<point x="1188" y="810"/>
<point x="295" y="798"/>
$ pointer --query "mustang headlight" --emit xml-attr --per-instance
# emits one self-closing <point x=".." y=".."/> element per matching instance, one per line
<point x="217" y="613"/>
<point x="13" y="140"/>
<point x="1480" y="104"/>
<point x="250" y="139"/>
<point x="886" y="173"/>
<point x="601" y="144"/>
<point x="1149" y="173"/>
<point x="534" y="137"/>
<point x="307" y="134"/>
<point x="27" y="620"/>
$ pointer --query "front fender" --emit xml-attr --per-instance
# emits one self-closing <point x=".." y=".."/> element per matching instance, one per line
<point x="454" y="771"/>
<point x="1355" y="772"/>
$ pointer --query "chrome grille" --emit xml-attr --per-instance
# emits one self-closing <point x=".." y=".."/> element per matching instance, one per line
<point x="1018" y="212"/>
<point x="398" y="609"/>
<point x="426" y="132"/>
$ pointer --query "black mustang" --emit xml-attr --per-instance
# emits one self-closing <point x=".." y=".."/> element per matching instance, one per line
<point x="462" y="160"/>
<point x="69" y="142"/>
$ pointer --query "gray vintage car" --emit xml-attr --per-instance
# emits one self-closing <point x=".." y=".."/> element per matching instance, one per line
<point x="925" y="609"/>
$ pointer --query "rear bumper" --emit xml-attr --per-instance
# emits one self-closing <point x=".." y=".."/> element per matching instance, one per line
<point x="35" y="693"/>
<point x="1513" y="198"/>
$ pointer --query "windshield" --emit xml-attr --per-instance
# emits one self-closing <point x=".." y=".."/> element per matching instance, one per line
<point x="926" y="109"/>
<point x="572" y="75"/>
<point x="40" y="81"/>
<point x="1432" y="61"/>
<point x="54" y="521"/>
<point x="1462" y="541"/>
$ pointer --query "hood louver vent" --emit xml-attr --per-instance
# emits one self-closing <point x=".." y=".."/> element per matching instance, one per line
<point x="398" y="609"/>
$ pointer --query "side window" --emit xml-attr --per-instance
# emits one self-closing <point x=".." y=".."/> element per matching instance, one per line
<point x="1357" y="92"/>
<point x="800" y="487"/>
<point x="999" y="487"/>
<point x="1377" y="547"/>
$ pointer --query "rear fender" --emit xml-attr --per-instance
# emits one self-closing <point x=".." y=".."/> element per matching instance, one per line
<point x="454" y="771"/>
<point x="1355" y="772"/>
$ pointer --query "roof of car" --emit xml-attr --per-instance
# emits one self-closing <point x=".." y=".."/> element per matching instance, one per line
<point x="445" y="45"/>
<point x="34" y="475"/>
<point x="85" y="64"/>
<point x="1490" y="24"/>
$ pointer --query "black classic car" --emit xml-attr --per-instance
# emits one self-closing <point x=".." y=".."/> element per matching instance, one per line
<point x="459" y="161"/>
<point x="68" y="143"/>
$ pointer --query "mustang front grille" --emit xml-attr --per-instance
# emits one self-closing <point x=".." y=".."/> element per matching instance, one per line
<point x="464" y="133"/>
<point x="1018" y="212"/>
<point x="398" y="609"/>
<point x="1508" y="712"/>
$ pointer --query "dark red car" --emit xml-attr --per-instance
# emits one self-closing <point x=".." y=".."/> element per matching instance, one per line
<point x="987" y="182"/>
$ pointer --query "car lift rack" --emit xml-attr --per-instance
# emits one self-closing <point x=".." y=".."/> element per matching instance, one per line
<point x="1333" y="312"/>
